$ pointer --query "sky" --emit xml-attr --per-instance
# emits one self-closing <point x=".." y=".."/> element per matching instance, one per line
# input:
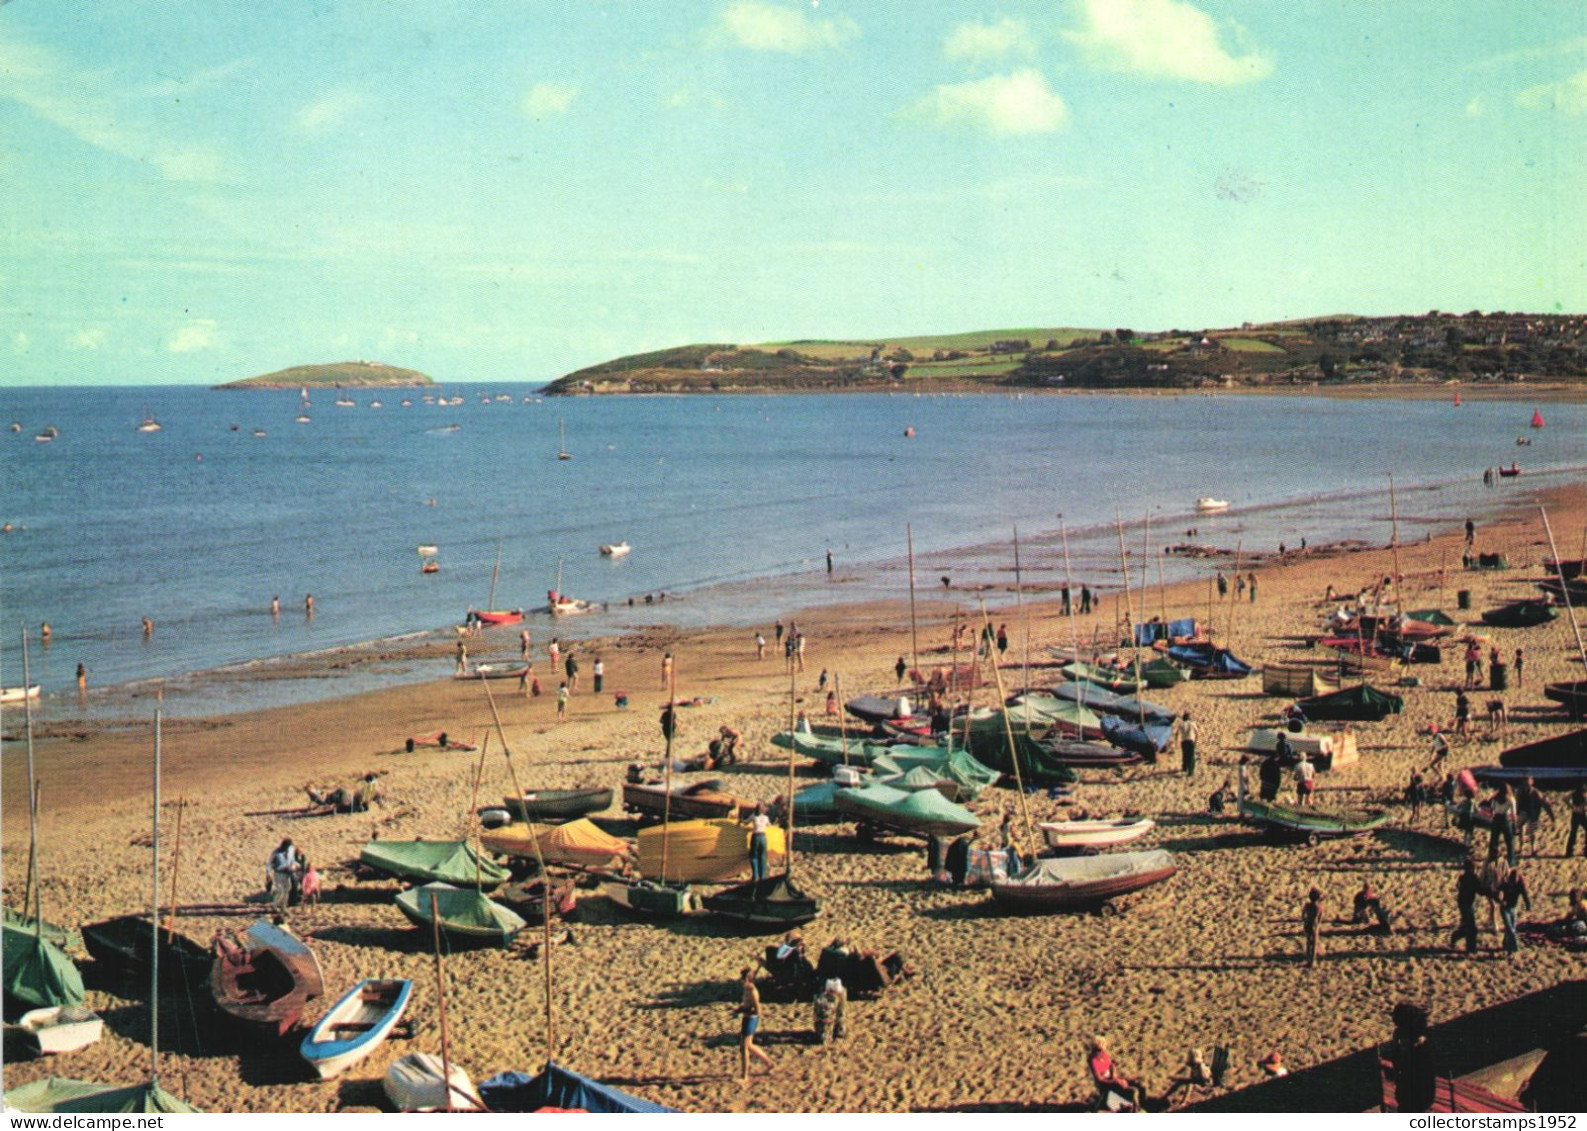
<point x="488" y="190"/>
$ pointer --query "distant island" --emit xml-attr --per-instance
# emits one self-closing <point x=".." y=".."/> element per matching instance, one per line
<point x="343" y="374"/>
<point x="1472" y="349"/>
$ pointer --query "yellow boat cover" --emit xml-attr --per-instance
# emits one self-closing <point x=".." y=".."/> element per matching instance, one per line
<point x="582" y="843"/>
<point x="708" y="851"/>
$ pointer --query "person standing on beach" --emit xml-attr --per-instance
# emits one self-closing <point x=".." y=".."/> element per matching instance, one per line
<point x="600" y="674"/>
<point x="1467" y="889"/>
<point x="570" y="668"/>
<point x="1512" y="891"/>
<point x="1239" y="586"/>
<point x="1085" y="599"/>
<point x="778" y="630"/>
<point x="1250" y="579"/>
<point x="1530" y="805"/>
<point x="275" y="607"/>
<point x="1410" y="1060"/>
<point x="759" y="864"/>
<point x="1002" y="640"/>
<point x="799" y="650"/>
<point x="462" y="659"/>
<point x="1578" y="820"/>
<point x="666" y="670"/>
<point x="760" y="646"/>
<point x="1471" y="532"/>
<point x="562" y="701"/>
<point x="1063" y="597"/>
<point x="669" y="722"/>
<point x="1187" y="745"/>
<point x="900" y="668"/>
<point x="1504" y="813"/>
<point x="829" y="561"/>
<point x="283" y="867"/>
<point x="554" y="650"/>
<point x="1520" y="661"/>
<point x="308" y="606"/>
<point x="82" y="681"/>
<point x="1311" y="924"/>
<point x="524" y="642"/>
<point x="1223" y="585"/>
<point x="749" y="1021"/>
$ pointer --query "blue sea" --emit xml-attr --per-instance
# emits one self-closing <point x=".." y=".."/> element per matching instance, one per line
<point x="730" y="505"/>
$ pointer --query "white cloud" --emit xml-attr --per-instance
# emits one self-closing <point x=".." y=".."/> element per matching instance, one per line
<point x="83" y="104"/>
<point x="980" y="43"/>
<point x="1018" y="103"/>
<point x="89" y="339"/>
<point x="1166" y="38"/>
<point x="547" y="99"/>
<point x="774" y="27"/>
<point x="1568" y="96"/>
<point x="330" y="111"/>
<point x="197" y="334"/>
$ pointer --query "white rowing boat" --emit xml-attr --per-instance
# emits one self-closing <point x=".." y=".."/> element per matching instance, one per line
<point x="1095" y="834"/>
<point x="356" y="1025"/>
<point x="615" y="549"/>
<point x="1208" y="505"/>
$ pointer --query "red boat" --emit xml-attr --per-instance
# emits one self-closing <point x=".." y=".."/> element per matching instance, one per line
<point x="266" y="978"/>
<point x="1509" y="472"/>
<point x="492" y="617"/>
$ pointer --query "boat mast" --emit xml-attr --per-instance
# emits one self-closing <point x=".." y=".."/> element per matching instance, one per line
<point x="787" y="866"/>
<point x="494" y="573"/>
<point x="1394" y="545"/>
<point x="540" y="863"/>
<point x="1129" y="613"/>
<point x="666" y="788"/>
<point x="32" y="898"/>
<point x="154" y="924"/>
<point x="440" y="995"/>
<point x="1074" y="626"/>
<point x="1008" y="731"/>
<point x="914" y="631"/>
<point x="1564" y="588"/>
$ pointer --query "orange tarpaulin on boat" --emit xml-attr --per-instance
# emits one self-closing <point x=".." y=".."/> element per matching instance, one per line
<point x="581" y="843"/>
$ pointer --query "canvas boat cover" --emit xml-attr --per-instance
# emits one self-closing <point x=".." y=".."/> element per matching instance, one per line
<point x="440" y="861"/>
<point x="1036" y="763"/>
<point x="1117" y="679"/>
<point x="556" y="1087"/>
<point x="1208" y="658"/>
<point x="67" y="938"/>
<point x="1432" y="616"/>
<point x="59" y="1094"/>
<point x="1094" y="697"/>
<point x="816" y="802"/>
<point x="582" y="843"/>
<point x="1361" y="703"/>
<point x="857" y="751"/>
<point x="1148" y="634"/>
<point x="707" y="851"/>
<point x="1042" y="710"/>
<point x="1296" y="681"/>
<point x="1066" y="871"/>
<point x="1148" y="741"/>
<point x="907" y="810"/>
<point x="37" y="972"/>
<point x="464" y="910"/>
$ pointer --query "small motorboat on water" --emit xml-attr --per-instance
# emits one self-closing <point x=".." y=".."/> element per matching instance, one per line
<point x="149" y="424"/>
<point x="615" y="549"/>
<point x="19" y="694"/>
<point x="1510" y="472"/>
<point x="1208" y="505"/>
<point x="48" y="434"/>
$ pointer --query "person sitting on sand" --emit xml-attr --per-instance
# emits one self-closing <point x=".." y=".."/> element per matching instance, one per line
<point x="1219" y="801"/>
<point x="1369" y="909"/>
<point x="1198" y="1074"/>
<point x="1116" y="1091"/>
<point x="1273" y="1064"/>
<point x="339" y="798"/>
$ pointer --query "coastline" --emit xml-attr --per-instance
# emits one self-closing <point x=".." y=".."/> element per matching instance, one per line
<point x="645" y="1007"/>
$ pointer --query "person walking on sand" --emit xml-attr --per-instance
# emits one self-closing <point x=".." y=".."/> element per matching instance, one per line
<point x="1187" y="745"/>
<point x="1085" y="599"/>
<point x="570" y="668"/>
<point x="562" y="701"/>
<point x="1467" y="889"/>
<point x="1311" y="924"/>
<point x="666" y="670"/>
<point x="1305" y="780"/>
<point x="1503" y="827"/>
<point x="1223" y="585"/>
<point x="1002" y="640"/>
<point x="1519" y="666"/>
<point x="778" y="630"/>
<point x="82" y="680"/>
<point x="1530" y="805"/>
<point x="900" y="668"/>
<point x="554" y="650"/>
<point x="760" y="646"/>
<point x="462" y="659"/>
<point x="599" y="671"/>
<point x="1063" y="599"/>
<point x="1250" y="579"/>
<point x="799" y="650"/>
<point x="524" y="643"/>
<point x="759" y="864"/>
<point x="749" y="1021"/>
<point x="1471" y="533"/>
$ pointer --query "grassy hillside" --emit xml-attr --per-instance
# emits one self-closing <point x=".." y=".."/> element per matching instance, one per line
<point x="1340" y="349"/>
<point x="347" y="374"/>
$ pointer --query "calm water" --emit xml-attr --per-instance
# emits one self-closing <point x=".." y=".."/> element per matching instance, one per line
<point x="715" y="495"/>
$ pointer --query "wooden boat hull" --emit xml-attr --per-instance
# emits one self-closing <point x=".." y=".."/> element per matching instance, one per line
<point x="1560" y="751"/>
<point x="490" y="618"/>
<point x="1572" y="695"/>
<point x="19" y="694"/>
<point x="1074" y="835"/>
<point x="557" y="805"/>
<point x="654" y="900"/>
<point x="125" y="946"/>
<point x="356" y="1025"/>
<point x="1544" y="777"/>
<point x="706" y="804"/>
<point x="269" y="981"/>
<point x="492" y="671"/>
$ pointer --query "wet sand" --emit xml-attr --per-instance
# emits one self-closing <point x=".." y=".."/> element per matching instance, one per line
<point x="999" y="1007"/>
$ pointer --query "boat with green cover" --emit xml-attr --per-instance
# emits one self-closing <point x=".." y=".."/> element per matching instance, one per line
<point x="38" y="973"/>
<point x="1116" y="680"/>
<point x="433" y="861"/>
<point x="59" y="1094"/>
<point x="67" y="938"/>
<point x="1311" y="823"/>
<point x="464" y="914"/>
<point x="832" y="750"/>
<point x="920" y="813"/>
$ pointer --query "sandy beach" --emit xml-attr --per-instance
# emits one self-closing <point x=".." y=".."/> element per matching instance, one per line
<point x="999" y="1007"/>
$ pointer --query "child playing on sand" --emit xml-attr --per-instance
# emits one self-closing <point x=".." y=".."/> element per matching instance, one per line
<point x="749" y="1014"/>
